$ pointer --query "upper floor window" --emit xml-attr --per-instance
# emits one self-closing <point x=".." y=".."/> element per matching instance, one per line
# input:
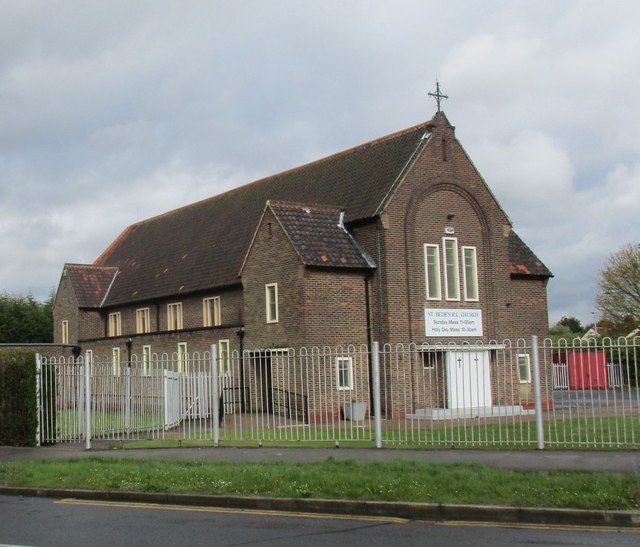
<point x="115" y="324"/>
<point x="451" y="270"/>
<point x="174" y="316"/>
<point x="432" y="269"/>
<point x="64" y="335"/>
<point x="470" y="273"/>
<point x="211" y="312"/>
<point x="452" y="262"/>
<point x="143" y="321"/>
<point x="271" y="293"/>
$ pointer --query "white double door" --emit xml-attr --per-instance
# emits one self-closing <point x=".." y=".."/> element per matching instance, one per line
<point x="468" y="379"/>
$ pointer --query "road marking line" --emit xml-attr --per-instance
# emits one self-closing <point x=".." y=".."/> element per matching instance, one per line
<point x="202" y="509"/>
<point x="560" y="527"/>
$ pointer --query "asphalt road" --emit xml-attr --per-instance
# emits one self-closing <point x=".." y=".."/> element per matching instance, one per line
<point x="70" y="523"/>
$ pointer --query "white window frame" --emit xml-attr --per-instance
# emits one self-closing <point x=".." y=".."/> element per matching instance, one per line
<point x="183" y="357"/>
<point x="470" y="274"/>
<point x="64" y="327"/>
<point x="224" y="358"/>
<point x="432" y="270"/>
<point x="211" y="312"/>
<point x="271" y="300"/>
<point x="143" y="321"/>
<point x="174" y="316"/>
<point x="115" y="324"/>
<point x="146" y="360"/>
<point x="344" y="366"/>
<point x="432" y="360"/>
<point x="524" y="360"/>
<point x="115" y="361"/>
<point x="451" y="269"/>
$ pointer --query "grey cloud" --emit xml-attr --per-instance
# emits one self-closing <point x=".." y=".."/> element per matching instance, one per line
<point x="115" y="111"/>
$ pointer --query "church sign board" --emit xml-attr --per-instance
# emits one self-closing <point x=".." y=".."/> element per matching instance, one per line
<point x="453" y="322"/>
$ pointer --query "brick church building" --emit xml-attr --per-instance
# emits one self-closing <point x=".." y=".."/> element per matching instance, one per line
<point x="398" y="240"/>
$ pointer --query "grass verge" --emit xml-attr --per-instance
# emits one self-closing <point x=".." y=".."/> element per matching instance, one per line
<point x="332" y="479"/>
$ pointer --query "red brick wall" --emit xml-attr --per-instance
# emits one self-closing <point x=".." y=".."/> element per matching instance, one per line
<point x="65" y="308"/>
<point x="442" y="189"/>
<point x="272" y="259"/>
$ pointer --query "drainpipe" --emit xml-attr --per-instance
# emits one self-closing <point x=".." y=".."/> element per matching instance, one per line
<point x="367" y="305"/>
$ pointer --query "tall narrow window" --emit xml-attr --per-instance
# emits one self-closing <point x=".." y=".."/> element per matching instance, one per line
<point x="211" y="312"/>
<point x="146" y="360"/>
<point x="174" y="316"/>
<point x="64" y="335"/>
<point x="432" y="271"/>
<point x="470" y="273"/>
<point x="451" y="270"/>
<point x="224" y="360"/>
<point x="143" y="321"/>
<point x="115" y="324"/>
<point x="524" y="370"/>
<point x="183" y="357"/>
<point x="271" y="291"/>
<point x="344" y="373"/>
<point x="115" y="361"/>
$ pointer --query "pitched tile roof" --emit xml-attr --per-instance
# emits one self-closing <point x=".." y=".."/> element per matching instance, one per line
<point x="203" y="245"/>
<point x="523" y="261"/>
<point x="318" y="235"/>
<point x="90" y="283"/>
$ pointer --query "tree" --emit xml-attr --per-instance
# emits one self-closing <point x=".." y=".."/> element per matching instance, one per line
<point x="618" y="297"/>
<point x="572" y="323"/>
<point x="24" y="320"/>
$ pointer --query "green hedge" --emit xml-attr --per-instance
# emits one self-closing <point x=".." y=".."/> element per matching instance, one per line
<point x="18" y="405"/>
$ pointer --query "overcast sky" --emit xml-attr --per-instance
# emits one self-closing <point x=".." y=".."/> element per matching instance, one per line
<point x="115" y="111"/>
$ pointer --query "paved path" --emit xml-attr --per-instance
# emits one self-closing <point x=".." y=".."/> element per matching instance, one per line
<point x="622" y="461"/>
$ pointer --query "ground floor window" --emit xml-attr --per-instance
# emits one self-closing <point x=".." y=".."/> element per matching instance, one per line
<point x="524" y="369"/>
<point x="432" y="360"/>
<point x="344" y="372"/>
<point x="224" y="365"/>
<point x="115" y="361"/>
<point x="146" y="360"/>
<point x="183" y="357"/>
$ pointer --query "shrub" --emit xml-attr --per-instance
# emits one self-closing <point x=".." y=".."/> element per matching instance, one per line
<point x="18" y="405"/>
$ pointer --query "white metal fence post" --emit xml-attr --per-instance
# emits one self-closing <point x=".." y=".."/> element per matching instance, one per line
<point x="38" y="397"/>
<point x="215" y="395"/>
<point x="375" y="370"/>
<point x="127" y="401"/>
<point x="537" y="392"/>
<point x="87" y="400"/>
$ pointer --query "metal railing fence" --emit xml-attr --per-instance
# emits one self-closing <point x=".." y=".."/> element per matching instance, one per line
<point x="512" y="394"/>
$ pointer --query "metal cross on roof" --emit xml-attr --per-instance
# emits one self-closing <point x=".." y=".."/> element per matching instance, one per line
<point x="438" y="95"/>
